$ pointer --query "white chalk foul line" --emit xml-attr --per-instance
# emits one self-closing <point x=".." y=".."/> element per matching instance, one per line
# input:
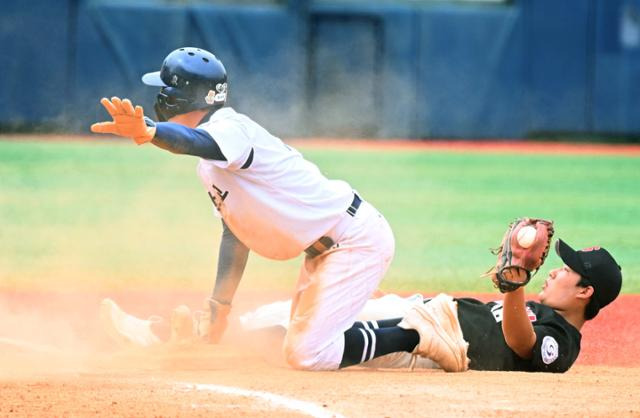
<point x="308" y="408"/>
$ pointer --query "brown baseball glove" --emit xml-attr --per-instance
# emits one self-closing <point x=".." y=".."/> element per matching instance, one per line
<point x="523" y="250"/>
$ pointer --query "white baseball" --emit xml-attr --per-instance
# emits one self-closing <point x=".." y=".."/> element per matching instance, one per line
<point x="526" y="236"/>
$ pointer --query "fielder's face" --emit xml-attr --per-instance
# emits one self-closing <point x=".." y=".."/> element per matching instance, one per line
<point x="560" y="291"/>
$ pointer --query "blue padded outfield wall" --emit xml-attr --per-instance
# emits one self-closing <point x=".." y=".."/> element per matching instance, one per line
<point x="420" y="69"/>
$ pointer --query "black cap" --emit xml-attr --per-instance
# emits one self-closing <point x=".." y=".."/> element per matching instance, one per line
<point x="597" y="266"/>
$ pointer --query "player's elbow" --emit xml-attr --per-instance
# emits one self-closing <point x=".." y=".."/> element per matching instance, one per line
<point x="523" y="347"/>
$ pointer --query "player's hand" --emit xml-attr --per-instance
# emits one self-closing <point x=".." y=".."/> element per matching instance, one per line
<point x="213" y="321"/>
<point x="127" y="121"/>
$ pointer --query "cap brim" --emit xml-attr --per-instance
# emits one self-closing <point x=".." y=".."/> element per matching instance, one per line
<point x="153" y="79"/>
<point x="569" y="256"/>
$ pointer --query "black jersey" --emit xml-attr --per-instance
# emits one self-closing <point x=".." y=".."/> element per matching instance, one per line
<point x="557" y="342"/>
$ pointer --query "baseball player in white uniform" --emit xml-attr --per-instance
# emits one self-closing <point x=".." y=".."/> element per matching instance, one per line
<point x="281" y="205"/>
<point x="276" y="203"/>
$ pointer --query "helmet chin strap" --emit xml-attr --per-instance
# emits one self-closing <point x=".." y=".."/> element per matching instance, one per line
<point x="159" y="113"/>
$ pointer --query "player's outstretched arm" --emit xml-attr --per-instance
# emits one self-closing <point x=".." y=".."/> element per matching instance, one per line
<point x="232" y="259"/>
<point x="130" y="122"/>
<point x="180" y="139"/>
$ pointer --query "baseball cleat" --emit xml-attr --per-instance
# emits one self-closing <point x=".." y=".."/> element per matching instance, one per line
<point x="446" y="304"/>
<point x="441" y="338"/>
<point x="125" y="329"/>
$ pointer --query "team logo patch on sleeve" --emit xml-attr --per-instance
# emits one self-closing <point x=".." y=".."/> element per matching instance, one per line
<point x="549" y="349"/>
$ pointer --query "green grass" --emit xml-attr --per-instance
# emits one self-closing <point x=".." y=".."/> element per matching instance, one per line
<point x="108" y="215"/>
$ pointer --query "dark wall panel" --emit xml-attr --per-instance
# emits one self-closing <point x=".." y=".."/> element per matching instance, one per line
<point x="559" y="60"/>
<point x="115" y="46"/>
<point x="616" y="101"/>
<point x="441" y="69"/>
<point x="34" y="52"/>
<point x="471" y="74"/>
<point x="345" y="68"/>
<point x="363" y="70"/>
<point x="262" y="50"/>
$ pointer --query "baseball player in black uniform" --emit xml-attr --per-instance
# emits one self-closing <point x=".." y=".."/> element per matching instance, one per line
<point x="518" y="335"/>
<point x="507" y="335"/>
<point x="556" y="346"/>
<point x="548" y="338"/>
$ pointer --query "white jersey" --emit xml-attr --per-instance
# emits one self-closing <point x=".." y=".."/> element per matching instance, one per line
<point x="273" y="200"/>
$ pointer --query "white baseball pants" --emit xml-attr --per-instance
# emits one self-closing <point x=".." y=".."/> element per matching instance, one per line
<point x="333" y="288"/>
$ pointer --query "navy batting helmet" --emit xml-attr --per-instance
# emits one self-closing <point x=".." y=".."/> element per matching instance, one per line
<point x="191" y="79"/>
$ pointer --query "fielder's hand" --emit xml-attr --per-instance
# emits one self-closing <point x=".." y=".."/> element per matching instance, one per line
<point x="524" y="249"/>
<point x="127" y="121"/>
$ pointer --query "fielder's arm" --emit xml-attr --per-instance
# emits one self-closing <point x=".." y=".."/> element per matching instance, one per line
<point x="516" y="326"/>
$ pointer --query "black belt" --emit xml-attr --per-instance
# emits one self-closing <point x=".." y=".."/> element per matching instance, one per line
<point x="324" y="243"/>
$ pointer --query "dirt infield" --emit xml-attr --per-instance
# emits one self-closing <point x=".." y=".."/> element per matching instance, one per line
<point x="56" y="361"/>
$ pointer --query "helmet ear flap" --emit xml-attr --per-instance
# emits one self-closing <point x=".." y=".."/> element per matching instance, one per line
<point x="171" y="102"/>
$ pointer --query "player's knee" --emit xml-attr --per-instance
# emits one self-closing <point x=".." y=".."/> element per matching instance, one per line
<point x="297" y="355"/>
<point x="297" y="361"/>
<point x="301" y="355"/>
